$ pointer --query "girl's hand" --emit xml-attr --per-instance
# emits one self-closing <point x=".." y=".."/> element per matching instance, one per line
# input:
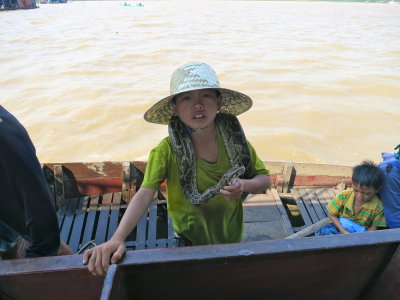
<point x="99" y="258"/>
<point x="233" y="191"/>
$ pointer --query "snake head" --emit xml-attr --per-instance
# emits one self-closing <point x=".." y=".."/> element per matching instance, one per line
<point x="231" y="175"/>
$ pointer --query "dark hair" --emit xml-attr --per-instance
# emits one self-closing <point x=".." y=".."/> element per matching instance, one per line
<point x="218" y="93"/>
<point x="368" y="174"/>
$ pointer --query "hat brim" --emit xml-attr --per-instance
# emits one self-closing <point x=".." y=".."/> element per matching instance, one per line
<point x="233" y="102"/>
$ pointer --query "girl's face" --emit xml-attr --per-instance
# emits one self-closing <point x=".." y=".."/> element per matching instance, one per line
<point x="197" y="109"/>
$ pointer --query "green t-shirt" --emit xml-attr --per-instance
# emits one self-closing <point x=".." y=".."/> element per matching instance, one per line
<point x="218" y="221"/>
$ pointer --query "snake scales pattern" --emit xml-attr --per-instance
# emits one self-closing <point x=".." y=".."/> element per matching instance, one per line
<point x="235" y="144"/>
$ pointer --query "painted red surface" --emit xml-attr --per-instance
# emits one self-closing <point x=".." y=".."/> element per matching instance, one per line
<point x="25" y="3"/>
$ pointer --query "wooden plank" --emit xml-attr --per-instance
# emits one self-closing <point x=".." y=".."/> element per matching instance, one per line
<point x="287" y="175"/>
<point x="319" y="210"/>
<point x="98" y="177"/>
<point x="103" y="177"/>
<point x="152" y="226"/>
<point x="285" y="218"/>
<point x="69" y="219"/>
<point x="309" y="230"/>
<point x="171" y="242"/>
<point x="126" y="181"/>
<point x="114" y="215"/>
<point x="61" y="216"/>
<point x="141" y="232"/>
<point x="161" y="243"/>
<point x="311" y="262"/>
<point x="49" y="278"/>
<point x="59" y="186"/>
<point x="328" y="196"/>
<point x="49" y="175"/>
<point x="333" y="192"/>
<point x="78" y="224"/>
<point x="323" y="197"/>
<point x="90" y="219"/>
<point x="386" y="284"/>
<point x="312" y="169"/>
<point x="303" y="211"/>
<point x="216" y="269"/>
<point x="102" y="224"/>
<point x="309" y="207"/>
<point x="108" y="282"/>
<point x="130" y="245"/>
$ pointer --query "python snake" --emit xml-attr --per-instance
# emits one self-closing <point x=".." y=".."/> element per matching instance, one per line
<point x="235" y="144"/>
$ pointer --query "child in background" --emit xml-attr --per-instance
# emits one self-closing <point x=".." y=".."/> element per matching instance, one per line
<point x="358" y="209"/>
<point x="202" y="157"/>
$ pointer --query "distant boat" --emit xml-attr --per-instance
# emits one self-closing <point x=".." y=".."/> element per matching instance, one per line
<point x="56" y="1"/>
<point x="131" y="5"/>
<point x="17" y="4"/>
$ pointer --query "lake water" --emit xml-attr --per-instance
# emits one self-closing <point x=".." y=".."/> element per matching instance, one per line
<point x="324" y="76"/>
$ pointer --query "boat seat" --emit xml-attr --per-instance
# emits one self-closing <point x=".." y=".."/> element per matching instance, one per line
<point x="86" y="220"/>
<point x="92" y="220"/>
<point x="312" y="203"/>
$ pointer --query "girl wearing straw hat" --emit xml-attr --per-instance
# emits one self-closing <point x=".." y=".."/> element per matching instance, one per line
<point x="209" y="165"/>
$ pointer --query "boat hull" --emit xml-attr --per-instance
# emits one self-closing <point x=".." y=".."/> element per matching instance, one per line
<point x="362" y="266"/>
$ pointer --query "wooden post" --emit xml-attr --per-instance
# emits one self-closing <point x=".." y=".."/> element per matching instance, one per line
<point x="49" y="175"/>
<point x="309" y="230"/>
<point x="126" y="181"/>
<point x="59" y="186"/>
<point x="287" y="174"/>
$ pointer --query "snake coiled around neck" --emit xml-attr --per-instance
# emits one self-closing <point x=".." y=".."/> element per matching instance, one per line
<point x="236" y="146"/>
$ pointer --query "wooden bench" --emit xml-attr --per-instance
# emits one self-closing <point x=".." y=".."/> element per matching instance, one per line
<point x="311" y="203"/>
<point x="88" y="220"/>
<point x="310" y="193"/>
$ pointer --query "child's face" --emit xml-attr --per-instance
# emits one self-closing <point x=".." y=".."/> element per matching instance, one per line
<point x="197" y="109"/>
<point x="363" y="193"/>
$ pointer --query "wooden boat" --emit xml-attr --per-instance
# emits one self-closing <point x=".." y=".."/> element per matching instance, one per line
<point x="91" y="197"/>
<point x="17" y="4"/>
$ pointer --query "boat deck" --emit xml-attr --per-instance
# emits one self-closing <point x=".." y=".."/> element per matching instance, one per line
<point x="89" y="220"/>
<point x="277" y="215"/>
<point x="92" y="197"/>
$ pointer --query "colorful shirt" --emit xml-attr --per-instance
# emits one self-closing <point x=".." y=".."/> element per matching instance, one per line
<point x="218" y="221"/>
<point x="371" y="213"/>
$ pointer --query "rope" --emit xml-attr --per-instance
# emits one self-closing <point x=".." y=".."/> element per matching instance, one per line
<point x="85" y="246"/>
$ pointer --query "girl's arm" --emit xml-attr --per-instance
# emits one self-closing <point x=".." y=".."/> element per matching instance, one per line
<point x="98" y="258"/>
<point x="336" y="222"/>
<point x="257" y="184"/>
<point x="372" y="227"/>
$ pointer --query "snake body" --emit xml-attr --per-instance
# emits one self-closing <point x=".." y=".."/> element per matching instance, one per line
<point x="235" y="144"/>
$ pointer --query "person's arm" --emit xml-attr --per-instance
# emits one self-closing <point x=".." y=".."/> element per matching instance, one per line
<point x="257" y="184"/>
<point x="372" y="228"/>
<point x="98" y="258"/>
<point x="336" y="222"/>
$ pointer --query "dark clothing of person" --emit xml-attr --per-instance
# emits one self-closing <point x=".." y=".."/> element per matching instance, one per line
<point x="390" y="192"/>
<point x="26" y="205"/>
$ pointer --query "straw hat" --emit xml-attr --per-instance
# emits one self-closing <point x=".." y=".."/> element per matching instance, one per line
<point x="196" y="76"/>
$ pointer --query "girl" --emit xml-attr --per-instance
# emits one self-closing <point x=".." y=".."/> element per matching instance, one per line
<point x="202" y="158"/>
